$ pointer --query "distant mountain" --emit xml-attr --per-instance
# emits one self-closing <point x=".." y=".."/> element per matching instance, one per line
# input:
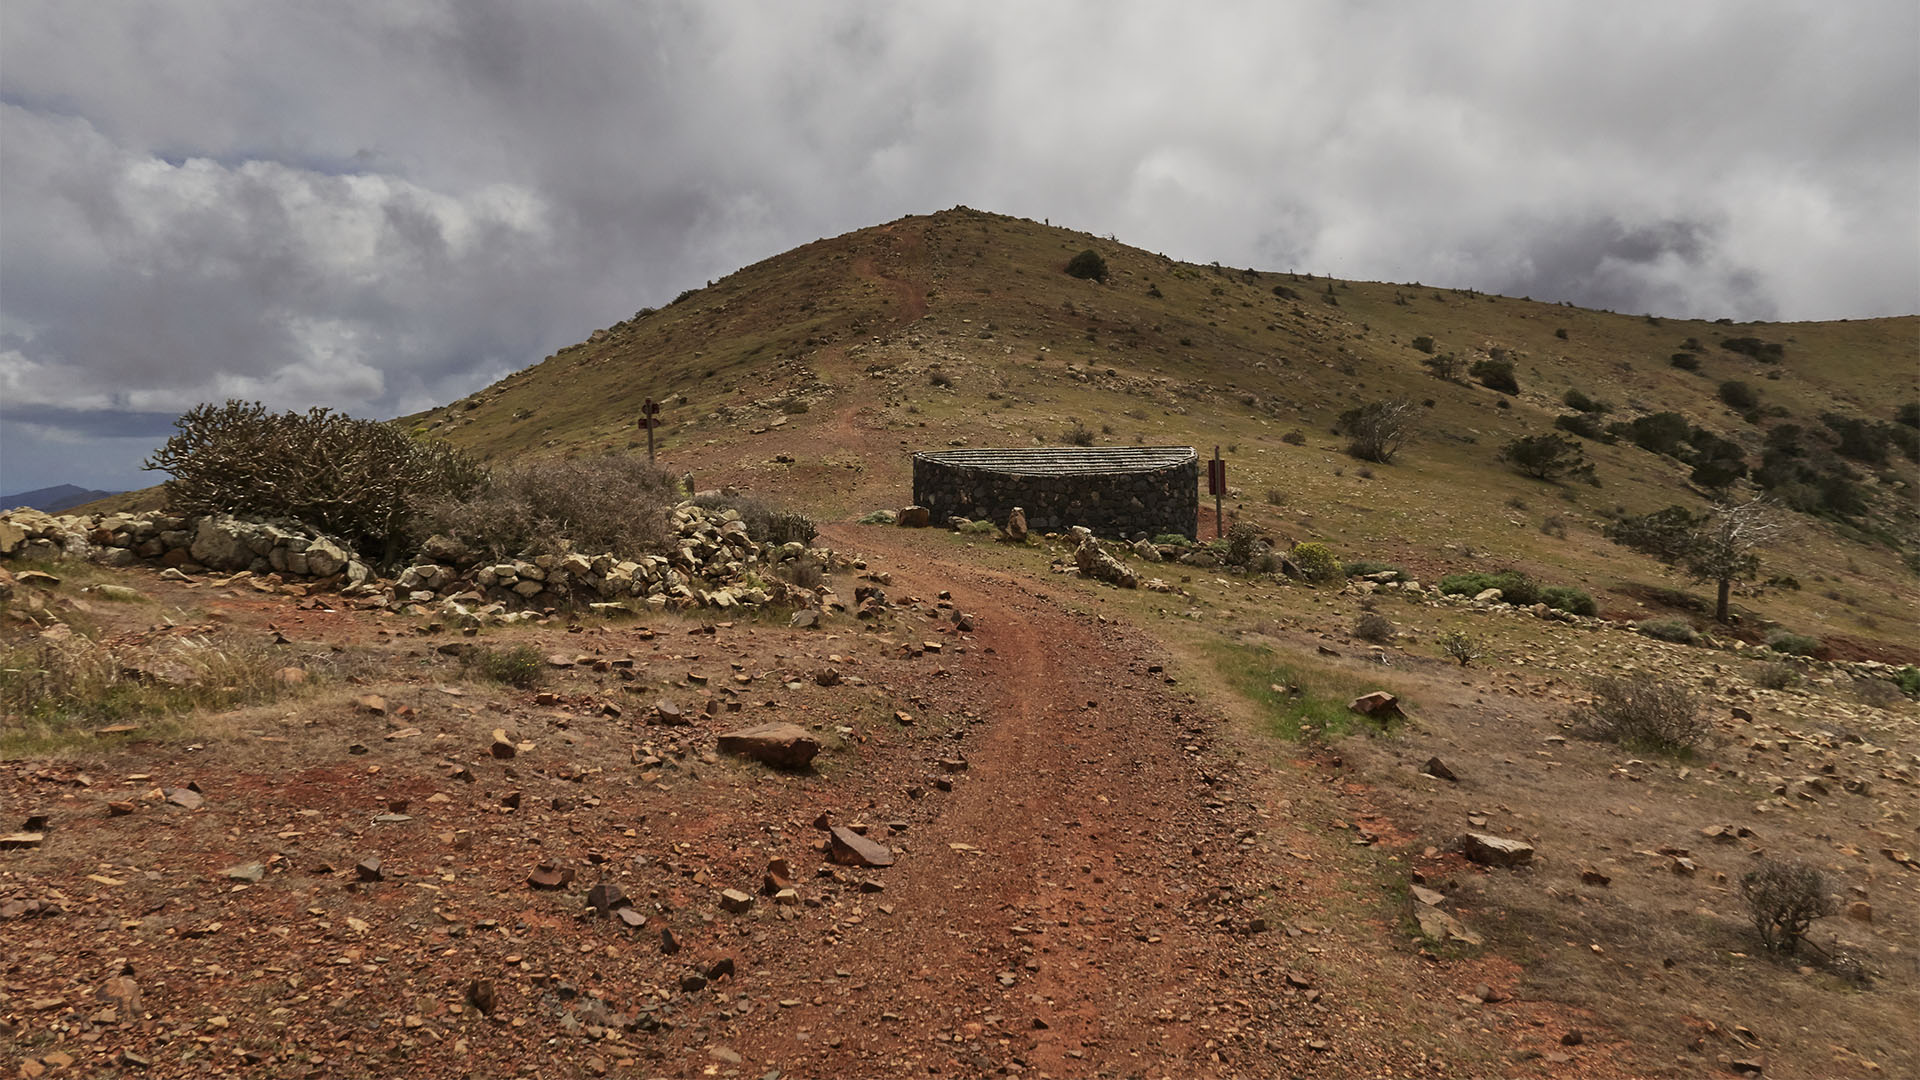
<point x="54" y="499"/>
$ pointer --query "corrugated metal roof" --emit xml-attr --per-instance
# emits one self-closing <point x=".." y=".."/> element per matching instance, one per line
<point x="1063" y="460"/>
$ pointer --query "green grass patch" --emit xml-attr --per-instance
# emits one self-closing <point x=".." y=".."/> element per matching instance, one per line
<point x="1296" y="702"/>
<point x="517" y="665"/>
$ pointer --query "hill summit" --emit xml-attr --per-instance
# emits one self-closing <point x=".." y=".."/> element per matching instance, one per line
<point x="813" y="375"/>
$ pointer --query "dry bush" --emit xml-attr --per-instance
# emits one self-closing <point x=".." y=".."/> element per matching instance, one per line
<point x="57" y="686"/>
<point x="359" y="480"/>
<point x="1784" y="896"/>
<point x="1374" y="628"/>
<point x="1378" y="429"/>
<point x="804" y="572"/>
<point x="1776" y="676"/>
<point x="766" y="523"/>
<point x="1640" y="711"/>
<point x="607" y="504"/>
<point x="519" y="665"/>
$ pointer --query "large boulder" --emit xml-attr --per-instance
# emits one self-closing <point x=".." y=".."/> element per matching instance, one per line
<point x="326" y="558"/>
<point x="220" y="543"/>
<point x="1017" y="525"/>
<point x="914" y="517"/>
<point x="1095" y="563"/>
<point x="782" y="745"/>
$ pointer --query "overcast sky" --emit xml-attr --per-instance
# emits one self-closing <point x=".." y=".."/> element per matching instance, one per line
<point x="381" y="206"/>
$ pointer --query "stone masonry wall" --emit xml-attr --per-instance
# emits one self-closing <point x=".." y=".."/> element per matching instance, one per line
<point x="1121" y="504"/>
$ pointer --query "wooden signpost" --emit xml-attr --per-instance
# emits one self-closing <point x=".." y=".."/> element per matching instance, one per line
<point x="650" y="419"/>
<point x="1217" y="487"/>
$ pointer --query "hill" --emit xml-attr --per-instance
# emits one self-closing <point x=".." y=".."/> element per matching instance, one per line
<point x="54" y="499"/>
<point x="814" y="374"/>
<point x="967" y="809"/>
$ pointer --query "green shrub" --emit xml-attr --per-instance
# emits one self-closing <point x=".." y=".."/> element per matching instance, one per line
<point x="1171" y="540"/>
<point x="1515" y="587"/>
<point x="1568" y="599"/>
<point x="1764" y="351"/>
<point x="1579" y="401"/>
<point x="1659" y="433"/>
<point x="1585" y="425"/>
<point x="1458" y="646"/>
<point x="1792" y="644"/>
<point x="1644" y="713"/>
<point x="1678" y="631"/>
<point x="1077" y="435"/>
<point x="1424" y="344"/>
<point x="1739" y="395"/>
<point x="1294" y="438"/>
<point x="359" y="480"/>
<point x="1495" y="375"/>
<point x="1784" y="897"/>
<point x="1088" y="265"/>
<point x="1369" y="567"/>
<point x="1445" y="366"/>
<point x="519" y="665"/>
<point x="1685" y="361"/>
<point x="1316" y="562"/>
<point x="1908" y="680"/>
<point x="1776" y="676"/>
<point x="1547" y="457"/>
<point x="876" y="517"/>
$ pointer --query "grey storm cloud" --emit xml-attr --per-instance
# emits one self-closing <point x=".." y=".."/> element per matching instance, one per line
<point x="379" y="206"/>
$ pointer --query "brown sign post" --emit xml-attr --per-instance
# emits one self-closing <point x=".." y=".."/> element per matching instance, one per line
<point x="1217" y="487"/>
<point x="650" y="419"/>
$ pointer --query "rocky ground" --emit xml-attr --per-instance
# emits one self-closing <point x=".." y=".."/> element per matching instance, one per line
<point x="1035" y="841"/>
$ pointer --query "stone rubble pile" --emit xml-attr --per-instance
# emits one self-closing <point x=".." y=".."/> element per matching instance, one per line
<point x="712" y="562"/>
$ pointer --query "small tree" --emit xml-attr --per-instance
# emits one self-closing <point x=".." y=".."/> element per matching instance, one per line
<point x="1717" y="546"/>
<point x="1088" y="265"/>
<point x="1445" y="366"/>
<point x="1459" y="646"/>
<point x="1785" y="896"/>
<point x="1495" y="374"/>
<point x="1378" y="429"/>
<point x="1547" y="457"/>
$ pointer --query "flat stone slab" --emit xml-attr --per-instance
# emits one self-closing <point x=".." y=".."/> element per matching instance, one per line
<point x="1495" y="850"/>
<point x="782" y="745"/>
<point x="849" y="848"/>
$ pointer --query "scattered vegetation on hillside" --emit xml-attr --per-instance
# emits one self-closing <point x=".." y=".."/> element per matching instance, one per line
<point x="1716" y="546"/>
<point x="1088" y="265"/>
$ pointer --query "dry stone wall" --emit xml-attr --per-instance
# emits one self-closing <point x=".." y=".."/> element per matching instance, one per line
<point x="1116" y="492"/>
<point x="713" y="563"/>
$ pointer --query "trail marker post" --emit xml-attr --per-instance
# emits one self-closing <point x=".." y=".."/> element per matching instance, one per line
<point x="1217" y="487"/>
<point x="650" y="419"/>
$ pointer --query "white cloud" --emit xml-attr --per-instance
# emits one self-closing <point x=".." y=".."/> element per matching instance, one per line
<point x="380" y="205"/>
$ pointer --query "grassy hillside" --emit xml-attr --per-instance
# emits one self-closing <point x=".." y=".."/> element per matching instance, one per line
<point x="962" y="328"/>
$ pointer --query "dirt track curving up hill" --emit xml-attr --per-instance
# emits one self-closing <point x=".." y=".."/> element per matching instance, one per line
<point x="1111" y="886"/>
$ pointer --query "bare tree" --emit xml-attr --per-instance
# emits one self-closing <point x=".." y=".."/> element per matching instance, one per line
<point x="1716" y="546"/>
<point x="1377" y="430"/>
